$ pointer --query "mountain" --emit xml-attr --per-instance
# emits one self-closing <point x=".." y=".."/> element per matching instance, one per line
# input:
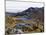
<point x="36" y="13"/>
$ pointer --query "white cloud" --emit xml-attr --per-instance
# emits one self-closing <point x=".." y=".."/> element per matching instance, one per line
<point x="12" y="6"/>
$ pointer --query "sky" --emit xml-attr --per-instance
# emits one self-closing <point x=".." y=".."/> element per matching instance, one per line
<point x="14" y="7"/>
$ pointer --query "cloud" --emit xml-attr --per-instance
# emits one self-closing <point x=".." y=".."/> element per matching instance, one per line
<point x="20" y="6"/>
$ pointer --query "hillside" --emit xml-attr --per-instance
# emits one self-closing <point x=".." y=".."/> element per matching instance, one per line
<point x="31" y="19"/>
